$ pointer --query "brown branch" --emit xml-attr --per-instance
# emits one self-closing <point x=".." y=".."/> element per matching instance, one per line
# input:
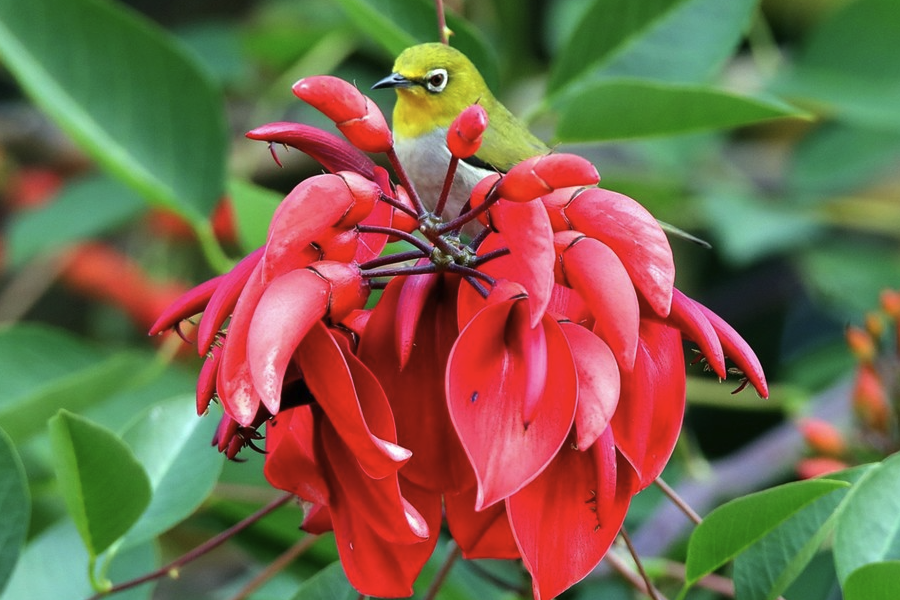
<point x="637" y="582"/>
<point x="678" y="501"/>
<point x="453" y="554"/>
<point x="282" y="561"/>
<point x="197" y="552"/>
<point x="651" y="590"/>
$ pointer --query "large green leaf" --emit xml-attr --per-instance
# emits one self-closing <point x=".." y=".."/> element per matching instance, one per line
<point x="328" y="584"/>
<point x="874" y="581"/>
<point x="83" y="209"/>
<point x="253" y="210"/>
<point x="669" y="40"/>
<point x="15" y="507"/>
<point x="769" y="566"/>
<point x="86" y="387"/>
<point x="172" y="443"/>
<point x="735" y="526"/>
<point x="868" y="527"/>
<point x="103" y="484"/>
<point x="126" y="92"/>
<point x="53" y="566"/>
<point x="850" y="66"/>
<point x="398" y="24"/>
<point x="629" y="108"/>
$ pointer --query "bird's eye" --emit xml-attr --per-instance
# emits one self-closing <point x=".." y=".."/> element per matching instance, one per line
<point x="436" y="80"/>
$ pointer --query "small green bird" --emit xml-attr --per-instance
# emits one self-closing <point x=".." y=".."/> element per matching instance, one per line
<point x="435" y="83"/>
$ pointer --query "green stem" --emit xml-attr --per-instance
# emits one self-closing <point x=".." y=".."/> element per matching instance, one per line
<point x="212" y="250"/>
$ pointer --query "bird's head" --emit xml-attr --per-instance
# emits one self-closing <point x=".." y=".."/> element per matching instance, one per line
<point x="434" y="83"/>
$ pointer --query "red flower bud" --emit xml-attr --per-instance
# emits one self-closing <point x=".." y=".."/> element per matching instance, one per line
<point x="861" y="344"/>
<point x="822" y="437"/>
<point x="819" y="465"/>
<point x="541" y="175"/>
<point x="464" y="135"/>
<point x="358" y="118"/>
<point x="870" y="400"/>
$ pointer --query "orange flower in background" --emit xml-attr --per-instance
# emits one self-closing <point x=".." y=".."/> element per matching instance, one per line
<point x="528" y="379"/>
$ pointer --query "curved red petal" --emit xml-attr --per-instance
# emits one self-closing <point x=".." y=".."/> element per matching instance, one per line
<point x="565" y="520"/>
<point x="648" y="418"/>
<point x="340" y="395"/>
<point x="206" y="380"/>
<point x="291" y="463"/>
<point x="598" y="383"/>
<point x="540" y="175"/>
<point x="332" y="152"/>
<point x="413" y="295"/>
<point x="485" y="385"/>
<point x="369" y="132"/>
<point x="290" y="305"/>
<point x="222" y="302"/>
<point x="738" y="350"/>
<point x="464" y="134"/>
<point x="416" y="391"/>
<point x="635" y="237"/>
<point x="597" y="274"/>
<point x="479" y="534"/>
<point x="526" y="230"/>
<point x="187" y="305"/>
<point x="687" y="316"/>
<point x="306" y="213"/>
<point x="337" y="99"/>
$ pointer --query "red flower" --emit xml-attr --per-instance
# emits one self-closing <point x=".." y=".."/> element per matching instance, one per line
<point x="530" y="379"/>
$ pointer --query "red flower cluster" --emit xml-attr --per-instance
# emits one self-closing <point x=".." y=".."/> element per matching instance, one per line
<point x="521" y="386"/>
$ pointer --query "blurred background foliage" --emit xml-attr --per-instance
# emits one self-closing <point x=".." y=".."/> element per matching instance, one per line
<point x="769" y="129"/>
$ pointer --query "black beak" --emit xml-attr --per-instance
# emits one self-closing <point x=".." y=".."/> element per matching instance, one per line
<point x="394" y="80"/>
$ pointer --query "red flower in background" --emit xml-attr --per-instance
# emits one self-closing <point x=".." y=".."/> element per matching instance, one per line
<point x="529" y="381"/>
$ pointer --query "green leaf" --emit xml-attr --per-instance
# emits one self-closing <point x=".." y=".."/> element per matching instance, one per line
<point x="748" y="228"/>
<point x="54" y="566"/>
<point x="837" y="157"/>
<point x="328" y="584"/>
<point x="27" y="414"/>
<point x="874" y="581"/>
<point x="125" y="92"/>
<point x="172" y="444"/>
<point x="15" y="506"/>
<point x="618" y="109"/>
<point x="868" y="527"/>
<point x="735" y="526"/>
<point x="669" y="40"/>
<point x="82" y="210"/>
<point x="769" y="566"/>
<point x="850" y="66"/>
<point x="399" y="24"/>
<point x="253" y="210"/>
<point x="103" y="484"/>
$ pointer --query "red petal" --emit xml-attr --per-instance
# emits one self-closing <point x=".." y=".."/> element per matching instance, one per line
<point x="486" y="387"/>
<point x="648" y="417"/>
<point x="738" y="350"/>
<point x="377" y="501"/>
<point x="332" y="152"/>
<point x="598" y="383"/>
<point x="337" y="99"/>
<point x="687" y="316"/>
<point x="540" y="175"/>
<point x="341" y="395"/>
<point x="369" y="132"/>
<point x="222" y="302"/>
<point x="484" y="534"/>
<point x="597" y="274"/>
<point x="187" y="305"/>
<point x="307" y="212"/>
<point x="290" y="455"/>
<point x="565" y="520"/>
<point x="635" y="237"/>
<point x="415" y="292"/>
<point x="206" y="381"/>
<point x="416" y="392"/>
<point x="527" y="232"/>
<point x="290" y="305"/>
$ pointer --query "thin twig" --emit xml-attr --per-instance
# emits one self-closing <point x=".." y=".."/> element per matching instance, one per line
<point x="651" y="590"/>
<point x="618" y="565"/>
<point x="453" y="554"/>
<point x="678" y="501"/>
<point x="448" y="183"/>
<point x="443" y="30"/>
<point x="286" y="558"/>
<point x="199" y="551"/>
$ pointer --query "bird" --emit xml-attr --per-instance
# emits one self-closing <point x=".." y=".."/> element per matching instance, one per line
<point x="434" y="83"/>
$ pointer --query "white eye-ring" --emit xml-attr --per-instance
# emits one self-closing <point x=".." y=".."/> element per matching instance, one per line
<point x="436" y="80"/>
